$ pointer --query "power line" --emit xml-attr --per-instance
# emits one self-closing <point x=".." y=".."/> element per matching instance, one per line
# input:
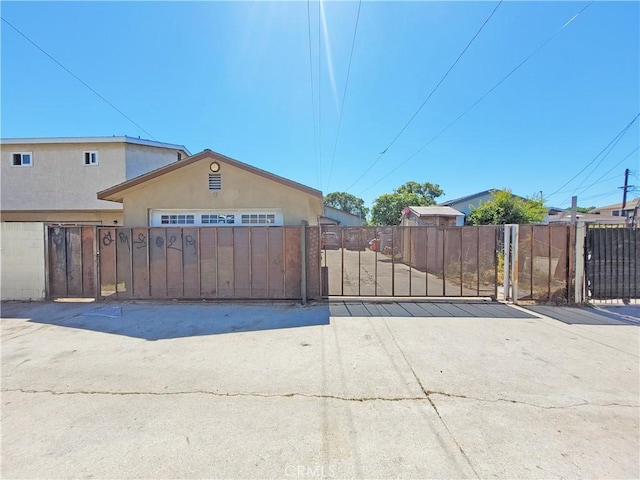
<point x="540" y="47"/>
<point x="313" y="100"/>
<point x="608" y="179"/>
<point x="344" y="95"/>
<point x="428" y="96"/>
<point x="614" y="141"/>
<point x="319" y="90"/>
<point x="601" y="160"/>
<point x="609" y="171"/>
<point x="595" y="196"/>
<point x="77" y="78"/>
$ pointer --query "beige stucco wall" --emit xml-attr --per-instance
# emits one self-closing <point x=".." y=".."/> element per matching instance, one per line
<point x="92" y="217"/>
<point x="141" y="159"/>
<point x="58" y="178"/>
<point x="22" y="261"/>
<point x="188" y="188"/>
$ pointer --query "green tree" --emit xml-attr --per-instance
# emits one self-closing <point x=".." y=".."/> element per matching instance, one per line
<point x="427" y="192"/>
<point x="387" y="208"/>
<point x="504" y="207"/>
<point x="347" y="203"/>
<point x="585" y="209"/>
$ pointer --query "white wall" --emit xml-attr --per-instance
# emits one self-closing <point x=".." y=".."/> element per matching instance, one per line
<point x="22" y="261"/>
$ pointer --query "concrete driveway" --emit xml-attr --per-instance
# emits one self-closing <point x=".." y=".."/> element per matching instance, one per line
<point x="358" y="390"/>
<point x="367" y="273"/>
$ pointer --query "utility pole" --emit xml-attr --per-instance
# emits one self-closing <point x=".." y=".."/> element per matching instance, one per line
<point x="625" y="189"/>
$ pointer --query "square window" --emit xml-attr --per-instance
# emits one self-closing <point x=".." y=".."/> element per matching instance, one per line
<point x="90" y="158"/>
<point x="21" y="159"/>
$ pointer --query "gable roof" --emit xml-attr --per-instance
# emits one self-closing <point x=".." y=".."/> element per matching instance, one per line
<point x="113" y="139"/>
<point x="115" y="193"/>
<point x="475" y="195"/>
<point x="433" y="210"/>
<point x="468" y="197"/>
<point x="329" y="209"/>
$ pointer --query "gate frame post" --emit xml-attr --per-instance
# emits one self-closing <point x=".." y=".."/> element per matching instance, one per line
<point x="515" y="238"/>
<point x="303" y="261"/>
<point x="96" y="264"/>
<point x="580" y="260"/>
<point x="47" y="286"/>
<point x="506" y="262"/>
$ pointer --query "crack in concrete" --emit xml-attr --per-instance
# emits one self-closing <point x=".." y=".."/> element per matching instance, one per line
<point x="433" y="405"/>
<point x="426" y="397"/>
<point x="218" y="394"/>
<point x="520" y="402"/>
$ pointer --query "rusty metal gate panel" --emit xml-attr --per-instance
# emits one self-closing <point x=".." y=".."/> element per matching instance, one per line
<point x="71" y="262"/>
<point x="611" y="261"/>
<point x="411" y="261"/>
<point x="544" y="263"/>
<point x="206" y="262"/>
<point x="314" y="279"/>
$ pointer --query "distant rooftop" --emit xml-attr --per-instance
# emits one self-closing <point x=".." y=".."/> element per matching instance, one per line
<point x="436" y="210"/>
<point x="474" y="195"/>
<point x="329" y="208"/>
<point x="631" y="204"/>
<point x="112" y="139"/>
<point x="467" y="197"/>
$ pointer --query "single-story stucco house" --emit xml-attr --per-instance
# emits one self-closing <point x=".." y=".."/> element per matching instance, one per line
<point x="210" y="189"/>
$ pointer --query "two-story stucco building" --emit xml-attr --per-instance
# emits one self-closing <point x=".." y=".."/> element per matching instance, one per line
<point x="55" y="180"/>
<point x="628" y="213"/>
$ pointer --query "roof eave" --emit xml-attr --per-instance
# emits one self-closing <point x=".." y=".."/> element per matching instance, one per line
<point x="72" y="140"/>
<point x="121" y="187"/>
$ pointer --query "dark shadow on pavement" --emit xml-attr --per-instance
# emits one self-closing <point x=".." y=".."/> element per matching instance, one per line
<point x="459" y="309"/>
<point x="161" y="321"/>
<point x="583" y="315"/>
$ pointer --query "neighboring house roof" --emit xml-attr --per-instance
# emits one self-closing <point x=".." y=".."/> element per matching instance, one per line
<point x="435" y="210"/>
<point x="124" y="139"/>
<point x="587" y="218"/>
<point x="329" y="210"/>
<point x="557" y="210"/>
<point x="115" y="193"/>
<point x="631" y="204"/>
<point x="468" y="197"/>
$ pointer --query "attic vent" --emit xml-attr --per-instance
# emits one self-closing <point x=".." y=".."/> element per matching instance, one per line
<point x="215" y="181"/>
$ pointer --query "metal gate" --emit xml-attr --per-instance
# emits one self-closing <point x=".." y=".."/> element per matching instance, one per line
<point x="416" y="261"/>
<point x="209" y="263"/>
<point x="71" y="262"/>
<point x="611" y="263"/>
<point x="540" y="263"/>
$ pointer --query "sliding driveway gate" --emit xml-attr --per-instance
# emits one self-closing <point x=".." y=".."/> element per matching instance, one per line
<point x="302" y="262"/>
<point x="416" y="261"/>
<point x="208" y="262"/>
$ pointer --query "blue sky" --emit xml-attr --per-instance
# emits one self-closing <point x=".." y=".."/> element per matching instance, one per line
<point x="235" y="78"/>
